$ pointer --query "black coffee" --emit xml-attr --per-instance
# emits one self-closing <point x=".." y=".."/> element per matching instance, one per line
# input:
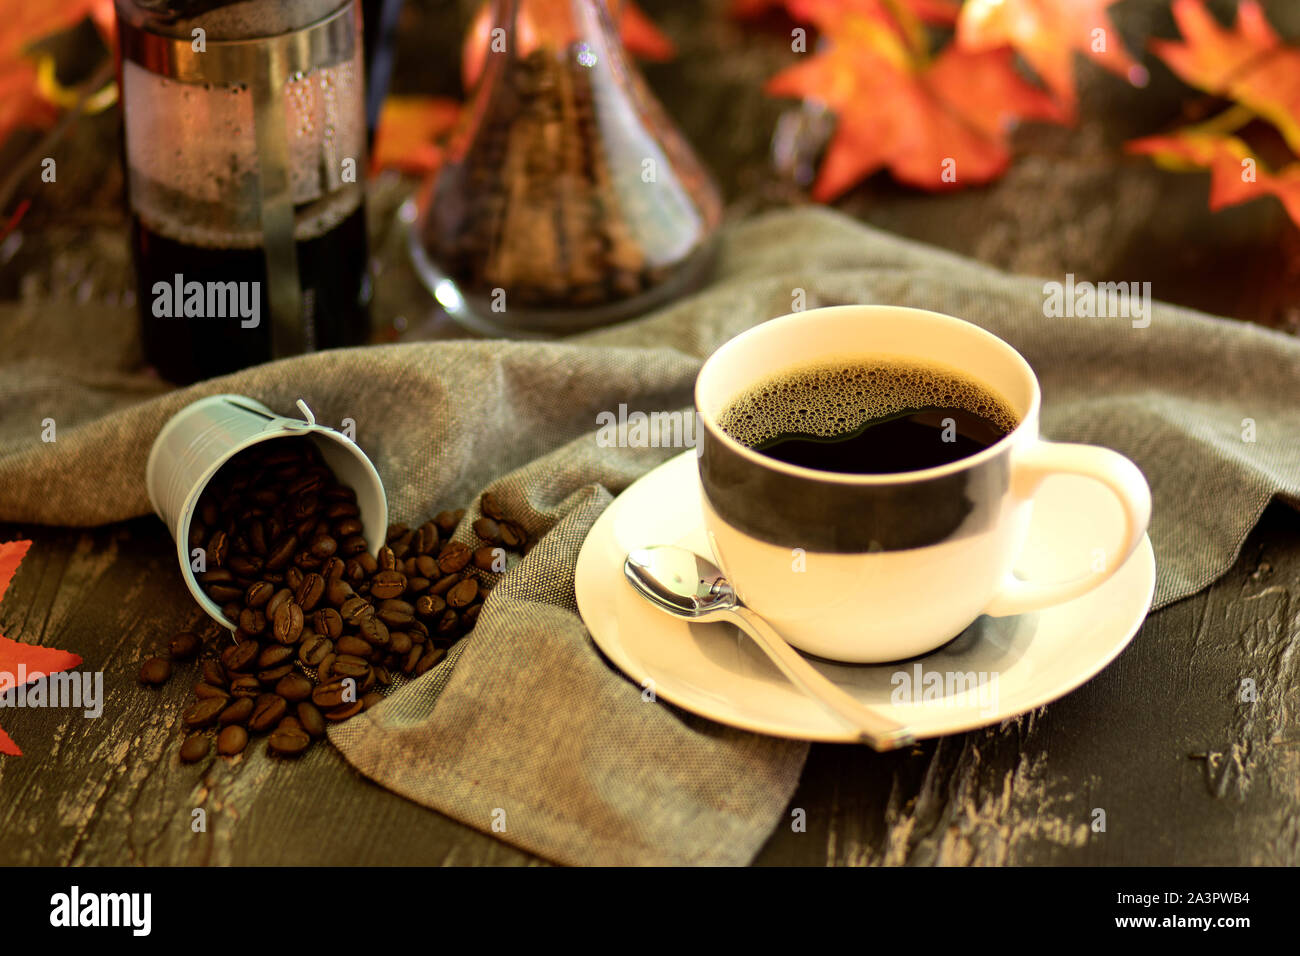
<point x="868" y="417"/>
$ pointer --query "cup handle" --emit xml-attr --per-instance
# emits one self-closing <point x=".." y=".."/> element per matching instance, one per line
<point x="1121" y="476"/>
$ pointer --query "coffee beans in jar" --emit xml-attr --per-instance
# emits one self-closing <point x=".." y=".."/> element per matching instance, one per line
<point x="321" y="628"/>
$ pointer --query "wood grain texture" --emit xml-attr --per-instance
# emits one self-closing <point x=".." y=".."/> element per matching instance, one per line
<point x="1185" y="772"/>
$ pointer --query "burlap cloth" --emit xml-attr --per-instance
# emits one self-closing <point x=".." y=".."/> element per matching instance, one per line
<point x="525" y="724"/>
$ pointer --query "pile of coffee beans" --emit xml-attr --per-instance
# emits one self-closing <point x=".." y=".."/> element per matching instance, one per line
<point x="322" y="627"/>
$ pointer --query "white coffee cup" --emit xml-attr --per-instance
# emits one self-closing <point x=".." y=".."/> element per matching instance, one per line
<point x="200" y="438"/>
<point x="880" y="567"/>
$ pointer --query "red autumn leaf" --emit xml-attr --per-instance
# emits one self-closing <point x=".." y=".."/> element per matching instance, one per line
<point x="407" y="133"/>
<point x="1047" y="33"/>
<point x="35" y="661"/>
<point x="1236" y="174"/>
<point x="637" y="31"/>
<point x="936" y="126"/>
<point x="1249" y="64"/>
<point x="23" y="23"/>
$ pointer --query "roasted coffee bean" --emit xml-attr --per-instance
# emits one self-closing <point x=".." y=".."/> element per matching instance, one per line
<point x="447" y="521"/>
<point x="155" y="671"/>
<point x="278" y="600"/>
<point x="347" y="527"/>
<point x="469" y="616"/>
<point x="387" y="584"/>
<point x="488" y="530"/>
<point x="237" y="711"/>
<point x="267" y="712"/>
<point x="203" y="712"/>
<point x="214" y="673"/>
<point x="273" y="655"/>
<point x="428" y="605"/>
<point x="445" y="584"/>
<point x="259" y="594"/>
<point x="353" y="645"/>
<point x="184" y="646"/>
<point x="293" y="576"/>
<point x="257" y="537"/>
<point x="218" y="549"/>
<point x="245" y="565"/>
<point x="370" y="699"/>
<point x="202" y="690"/>
<point x="463" y="594"/>
<point x="239" y="657"/>
<point x="332" y="693"/>
<point x="289" y="723"/>
<point x="196" y="747"/>
<point x="338" y="591"/>
<point x="312" y="481"/>
<point x="198" y="534"/>
<point x="252" y="620"/>
<point x="288" y="623"/>
<point x="431" y="656"/>
<point x="374" y="632"/>
<point x="412" y="658"/>
<point x="294" y="687"/>
<point x="223" y="593"/>
<point x="386" y="560"/>
<point x="272" y="674"/>
<point x="399" y="643"/>
<point x="343" y="711"/>
<point x="426" y="566"/>
<point x="323" y="546"/>
<point x="513" y="535"/>
<point x="281" y="552"/>
<point x="313" y="722"/>
<point x="312" y="652"/>
<point x="382" y="675"/>
<point x="356" y="609"/>
<point x="425" y="539"/>
<point x="288" y="742"/>
<point x="215" y="576"/>
<point x="246" y="685"/>
<point x="453" y="557"/>
<point x="402" y="546"/>
<point x="489" y="506"/>
<point x="232" y="740"/>
<point x="327" y="622"/>
<point x="323" y="674"/>
<point x="342" y="509"/>
<point x="394" y="531"/>
<point x="231" y="611"/>
<point x="352" y="546"/>
<point x="490" y="558"/>
<point x="415" y="586"/>
<point x="332" y="570"/>
<point x="345" y="665"/>
<point x="368" y="563"/>
<point x="395" y="612"/>
<point x="448" y="623"/>
<point x="310" y="591"/>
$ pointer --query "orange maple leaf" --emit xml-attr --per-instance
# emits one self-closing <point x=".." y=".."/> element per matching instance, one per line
<point x="1249" y="64"/>
<point x="1046" y="33"/>
<point x="23" y="662"/>
<point x="637" y="31"/>
<point x="936" y="125"/>
<point x="23" y="23"/>
<point x="406" y="136"/>
<point x="1237" y="175"/>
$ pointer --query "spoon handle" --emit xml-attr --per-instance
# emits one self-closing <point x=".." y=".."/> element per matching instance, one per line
<point x="879" y="732"/>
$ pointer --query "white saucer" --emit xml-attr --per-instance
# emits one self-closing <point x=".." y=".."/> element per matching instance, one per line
<point x="715" y="671"/>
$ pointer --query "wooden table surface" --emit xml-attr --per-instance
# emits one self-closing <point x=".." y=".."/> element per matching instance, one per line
<point x="1184" y="772"/>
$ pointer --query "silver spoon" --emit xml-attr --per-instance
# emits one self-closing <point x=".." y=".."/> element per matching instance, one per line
<point x="685" y="585"/>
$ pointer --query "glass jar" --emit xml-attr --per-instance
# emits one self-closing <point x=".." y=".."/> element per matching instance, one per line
<point x="245" y="147"/>
<point x="567" y="198"/>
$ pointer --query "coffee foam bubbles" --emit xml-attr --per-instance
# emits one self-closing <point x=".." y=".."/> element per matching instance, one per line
<point x="828" y="400"/>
